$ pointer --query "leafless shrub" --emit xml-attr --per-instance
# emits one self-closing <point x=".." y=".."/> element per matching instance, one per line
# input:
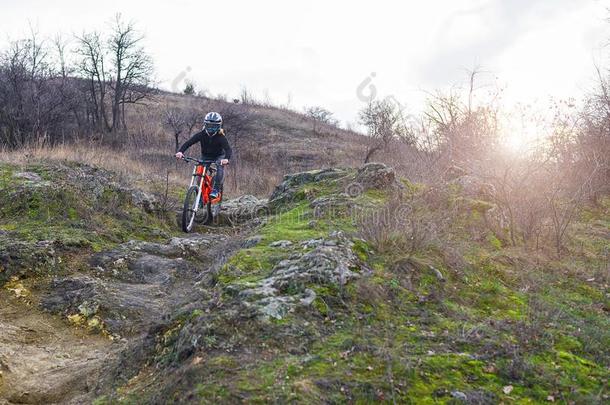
<point x="385" y="124"/>
<point x="402" y="225"/>
<point x="118" y="72"/>
<point x="161" y="189"/>
<point x="181" y="121"/>
<point x="320" y="117"/>
<point x="465" y="129"/>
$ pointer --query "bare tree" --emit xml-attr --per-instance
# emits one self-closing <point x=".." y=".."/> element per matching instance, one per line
<point x="92" y="67"/>
<point x="465" y="127"/>
<point x="180" y="121"/>
<point x="384" y="122"/>
<point x="245" y="96"/>
<point x="118" y="71"/>
<point x="174" y="120"/>
<point x="320" y="117"/>
<point x="33" y="105"/>
<point x="131" y="70"/>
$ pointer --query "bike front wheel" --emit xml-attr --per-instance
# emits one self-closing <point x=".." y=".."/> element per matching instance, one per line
<point x="189" y="210"/>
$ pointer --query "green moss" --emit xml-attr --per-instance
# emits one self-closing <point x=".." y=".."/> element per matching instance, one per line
<point x="249" y="265"/>
<point x="412" y="188"/>
<point x="494" y="241"/>
<point x="376" y="196"/>
<point x="574" y="377"/>
<point x="60" y="211"/>
<point x="451" y="372"/>
<point x="362" y="249"/>
<point x="292" y="225"/>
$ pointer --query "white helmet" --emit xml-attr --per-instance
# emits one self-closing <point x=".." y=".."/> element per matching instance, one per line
<point x="212" y="123"/>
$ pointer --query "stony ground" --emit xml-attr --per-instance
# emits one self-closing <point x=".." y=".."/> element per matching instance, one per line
<point x="59" y="334"/>
<point x="294" y="299"/>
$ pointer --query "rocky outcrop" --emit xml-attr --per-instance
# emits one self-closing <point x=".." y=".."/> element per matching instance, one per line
<point x="377" y="176"/>
<point x="332" y="205"/>
<point x="352" y="182"/>
<point x="242" y="209"/>
<point x="19" y="257"/>
<point x="289" y="189"/>
<point x="292" y="281"/>
<point x="133" y="285"/>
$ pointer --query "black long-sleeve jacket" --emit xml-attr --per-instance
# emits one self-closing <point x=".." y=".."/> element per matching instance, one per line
<point x="212" y="147"/>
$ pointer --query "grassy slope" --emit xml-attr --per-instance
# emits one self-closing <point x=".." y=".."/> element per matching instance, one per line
<point x="69" y="215"/>
<point x="503" y="318"/>
<point x="506" y="325"/>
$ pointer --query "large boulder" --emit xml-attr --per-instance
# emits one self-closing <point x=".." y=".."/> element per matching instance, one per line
<point x="19" y="258"/>
<point x="98" y="183"/>
<point x="242" y="209"/>
<point x="130" y="286"/>
<point x="330" y="262"/>
<point x="376" y="176"/>
<point x="332" y="205"/>
<point x="289" y="189"/>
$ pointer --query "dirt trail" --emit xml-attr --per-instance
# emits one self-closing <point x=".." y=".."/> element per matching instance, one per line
<point x="43" y="359"/>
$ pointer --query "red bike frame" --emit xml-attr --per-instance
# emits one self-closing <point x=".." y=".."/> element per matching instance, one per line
<point x="205" y="183"/>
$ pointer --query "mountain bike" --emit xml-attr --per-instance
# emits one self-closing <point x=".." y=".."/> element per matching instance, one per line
<point x="198" y="194"/>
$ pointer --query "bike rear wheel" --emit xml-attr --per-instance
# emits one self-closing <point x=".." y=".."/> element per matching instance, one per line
<point x="189" y="210"/>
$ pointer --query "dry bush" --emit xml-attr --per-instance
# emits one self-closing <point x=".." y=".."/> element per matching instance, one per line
<point x="404" y="225"/>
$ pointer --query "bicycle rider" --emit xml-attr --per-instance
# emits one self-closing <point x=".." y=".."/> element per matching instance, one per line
<point x="214" y="146"/>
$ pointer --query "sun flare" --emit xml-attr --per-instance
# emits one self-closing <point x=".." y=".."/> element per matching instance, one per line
<point x="521" y="134"/>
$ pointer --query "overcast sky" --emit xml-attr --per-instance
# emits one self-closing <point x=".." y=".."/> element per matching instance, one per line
<point x="336" y="54"/>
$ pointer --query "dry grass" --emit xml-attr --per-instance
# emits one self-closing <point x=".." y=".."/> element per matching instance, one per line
<point x="132" y="166"/>
<point x="151" y="169"/>
<point x="274" y="142"/>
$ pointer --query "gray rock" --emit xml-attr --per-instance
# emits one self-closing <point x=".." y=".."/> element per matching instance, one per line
<point x="134" y="285"/>
<point x="19" y="258"/>
<point x="332" y="205"/>
<point x="243" y="209"/>
<point x="252" y="241"/>
<point x="146" y="201"/>
<point x="275" y="307"/>
<point x="473" y="186"/>
<point x="310" y="296"/>
<point x="30" y="176"/>
<point x="459" y="395"/>
<point x="288" y="190"/>
<point x="311" y="243"/>
<point x="191" y="246"/>
<point x="281" y="243"/>
<point x="88" y="308"/>
<point x="437" y="273"/>
<point x="377" y="176"/>
<point x="331" y="262"/>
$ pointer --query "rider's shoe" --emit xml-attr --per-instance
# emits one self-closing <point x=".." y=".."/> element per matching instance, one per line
<point x="214" y="194"/>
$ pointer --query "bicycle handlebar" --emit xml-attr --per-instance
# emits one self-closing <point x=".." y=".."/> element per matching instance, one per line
<point x="198" y="161"/>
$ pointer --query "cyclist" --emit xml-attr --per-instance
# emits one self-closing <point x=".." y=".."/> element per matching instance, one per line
<point x="214" y="146"/>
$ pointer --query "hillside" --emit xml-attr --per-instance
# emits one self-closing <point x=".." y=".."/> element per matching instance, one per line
<point x="346" y="285"/>
<point x="292" y="139"/>
<point x="268" y="142"/>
